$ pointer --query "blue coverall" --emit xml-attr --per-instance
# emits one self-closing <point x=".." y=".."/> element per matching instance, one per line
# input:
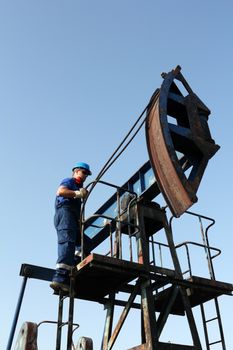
<point x="66" y="221"/>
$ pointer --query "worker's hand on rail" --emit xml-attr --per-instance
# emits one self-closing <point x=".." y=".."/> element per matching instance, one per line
<point x="82" y="193"/>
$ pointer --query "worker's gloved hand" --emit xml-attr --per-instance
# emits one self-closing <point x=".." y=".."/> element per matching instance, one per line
<point x="82" y="193"/>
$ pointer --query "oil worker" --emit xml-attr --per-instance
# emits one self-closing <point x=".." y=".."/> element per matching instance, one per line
<point x="67" y="223"/>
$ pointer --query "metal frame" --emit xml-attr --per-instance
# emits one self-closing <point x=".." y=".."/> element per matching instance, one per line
<point x="174" y="149"/>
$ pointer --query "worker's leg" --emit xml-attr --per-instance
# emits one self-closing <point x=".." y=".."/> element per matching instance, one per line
<point x="65" y="261"/>
<point x="66" y="248"/>
<point x="66" y="225"/>
<point x="66" y="234"/>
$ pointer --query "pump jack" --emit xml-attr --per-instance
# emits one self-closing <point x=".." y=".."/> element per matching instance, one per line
<point x="179" y="145"/>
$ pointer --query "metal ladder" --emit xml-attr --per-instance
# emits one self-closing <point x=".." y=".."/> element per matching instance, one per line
<point x="206" y="320"/>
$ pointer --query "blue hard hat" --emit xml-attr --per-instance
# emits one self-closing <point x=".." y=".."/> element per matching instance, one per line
<point x="82" y="165"/>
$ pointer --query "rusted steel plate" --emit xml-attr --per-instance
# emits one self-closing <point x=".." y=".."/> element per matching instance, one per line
<point x="27" y="338"/>
<point x="98" y="276"/>
<point x="178" y="141"/>
<point x="84" y="343"/>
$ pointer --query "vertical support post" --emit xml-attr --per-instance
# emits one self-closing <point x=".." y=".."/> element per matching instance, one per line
<point x="110" y="236"/>
<point x="149" y="326"/>
<point x="17" y="310"/>
<point x="118" y="243"/>
<point x="71" y="311"/>
<point x="207" y="250"/>
<point x="143" y="335"/>
<point x="148" y="313"/>
<point x="59" y="321"/>
<point x="108" y="322"/>
<point x="142" y="241"/>
<point x="82" y="214"/>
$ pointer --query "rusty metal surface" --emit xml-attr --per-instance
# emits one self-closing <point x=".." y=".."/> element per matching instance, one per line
<point x="123" y="316"/>
<point x="99" y="275"/>
<point x="179" y="141"/>
<point x="200" y="290"/>
<point x="139" y="347"/>
<point x="84" y="343"/>
<point x="27" y="338"/>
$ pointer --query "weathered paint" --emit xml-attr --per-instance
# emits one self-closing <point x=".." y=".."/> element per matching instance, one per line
<point x="27" y="338"/>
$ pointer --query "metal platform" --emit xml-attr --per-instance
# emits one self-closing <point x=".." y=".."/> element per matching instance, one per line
<point x="180" y="146"/>
<point x="97" y="276"/>
<point x="199" y="290"/>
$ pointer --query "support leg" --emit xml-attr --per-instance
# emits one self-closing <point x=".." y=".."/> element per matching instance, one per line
<point x="59" y="321"/>
<point x="149" y="319"/>
<point x="108" y="322"/>
<point x="17" y="310"/>
<point x="71" y="311"/>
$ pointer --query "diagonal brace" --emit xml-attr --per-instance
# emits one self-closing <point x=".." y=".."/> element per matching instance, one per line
<point x="123" y="315"/>
<point x="166" y="311"/>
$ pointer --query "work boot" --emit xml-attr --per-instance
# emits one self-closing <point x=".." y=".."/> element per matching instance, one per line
<point x="57" y="286"/>
<point x="61" y="281"/>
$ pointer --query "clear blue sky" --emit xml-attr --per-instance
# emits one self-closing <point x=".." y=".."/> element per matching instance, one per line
<point x="74" y="76"/>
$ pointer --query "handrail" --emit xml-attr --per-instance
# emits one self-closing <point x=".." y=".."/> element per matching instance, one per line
<point x="197" y="215"/>
<point x="116" y="219"/>
<point x="199" y="245"/>
<point x="185" y="244"/>
<point x="205" y="237"/>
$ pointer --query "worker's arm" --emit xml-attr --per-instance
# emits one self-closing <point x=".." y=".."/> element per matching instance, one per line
<point x="67" y="193"/>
